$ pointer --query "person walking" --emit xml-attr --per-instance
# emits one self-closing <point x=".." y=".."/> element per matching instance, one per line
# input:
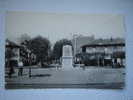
<point x="20" y="65"/>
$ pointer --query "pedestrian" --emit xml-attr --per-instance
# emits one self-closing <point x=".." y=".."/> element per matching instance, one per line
<point x="20" y="65"/>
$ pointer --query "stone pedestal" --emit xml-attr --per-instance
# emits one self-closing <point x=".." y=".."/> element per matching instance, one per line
<point x="67" y="58"/>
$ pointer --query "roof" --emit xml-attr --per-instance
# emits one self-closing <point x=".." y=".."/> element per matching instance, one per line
<point x="105" y="43"/>
<point x="11" y="44"/>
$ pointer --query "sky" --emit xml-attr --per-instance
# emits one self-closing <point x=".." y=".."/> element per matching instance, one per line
<point x="56" y="26"/>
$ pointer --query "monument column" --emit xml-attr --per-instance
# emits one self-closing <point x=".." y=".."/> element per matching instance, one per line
<point x="67" y="58"/>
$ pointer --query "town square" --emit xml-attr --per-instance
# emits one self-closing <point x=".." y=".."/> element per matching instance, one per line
<point x="65" y="55"/>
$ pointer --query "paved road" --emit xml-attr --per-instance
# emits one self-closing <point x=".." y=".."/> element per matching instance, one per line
<point x="70" y="78"/>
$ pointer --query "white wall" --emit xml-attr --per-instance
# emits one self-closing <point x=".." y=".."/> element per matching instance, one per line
<point x="72" y="6"/>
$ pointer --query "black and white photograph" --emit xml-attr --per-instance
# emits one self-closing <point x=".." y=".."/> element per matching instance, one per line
<point x="64" y="50"/>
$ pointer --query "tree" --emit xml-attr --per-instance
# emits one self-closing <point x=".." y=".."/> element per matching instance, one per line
<point x="40" y="46"/>
<point x="57" y="49"/>
<point x="24" y="37"/>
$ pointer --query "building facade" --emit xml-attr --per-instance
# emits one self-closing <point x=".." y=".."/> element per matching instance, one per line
<point x="99" y="52"/>
<point x="12" y="53"/>
<point x="15" y="53"/>
<point x="80" y="40"/>
<point x="111" y="54"/>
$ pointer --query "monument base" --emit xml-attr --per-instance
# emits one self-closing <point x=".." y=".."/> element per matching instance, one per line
<point x="67" y="62"/>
